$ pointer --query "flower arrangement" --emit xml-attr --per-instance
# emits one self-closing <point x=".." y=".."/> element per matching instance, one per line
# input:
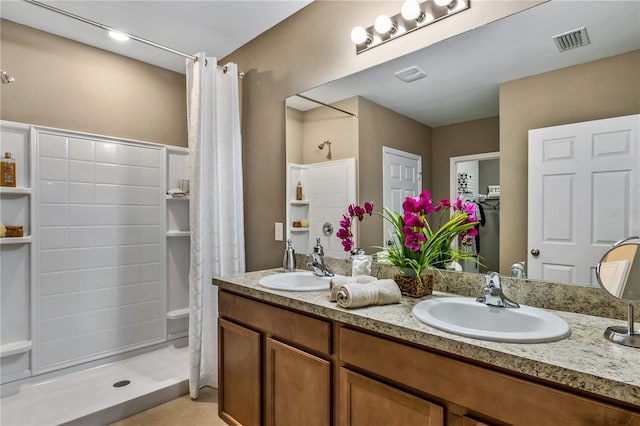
<point x="354" y="212"/>
<point x="415" y="245"/>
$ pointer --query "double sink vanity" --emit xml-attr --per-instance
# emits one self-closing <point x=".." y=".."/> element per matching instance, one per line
<point x="288" y="356"/>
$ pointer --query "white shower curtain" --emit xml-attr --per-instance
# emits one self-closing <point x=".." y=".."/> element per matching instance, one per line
<point x="216" y="206"/>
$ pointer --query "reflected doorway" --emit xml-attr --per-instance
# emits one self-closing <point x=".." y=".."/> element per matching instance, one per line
<point x="476" y="178"/>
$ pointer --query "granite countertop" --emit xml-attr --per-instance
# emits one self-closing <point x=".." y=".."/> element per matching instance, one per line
<point x="584" y="361"/>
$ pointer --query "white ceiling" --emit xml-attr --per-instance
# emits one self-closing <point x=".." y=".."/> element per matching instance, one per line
<point x="216" y="27"/>
<point x="464" y="71"/>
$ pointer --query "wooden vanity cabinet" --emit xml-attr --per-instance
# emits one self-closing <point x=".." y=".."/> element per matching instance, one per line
<point x="281" y="368"/>
<point x="472" y="394"/>
<point x="275" y="365"/>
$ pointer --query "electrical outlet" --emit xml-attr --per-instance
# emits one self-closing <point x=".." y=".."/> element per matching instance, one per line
<point x="279" y="232"/>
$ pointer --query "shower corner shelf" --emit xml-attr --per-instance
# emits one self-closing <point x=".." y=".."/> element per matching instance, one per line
<point x="178" y="233"/>
<point x="299" y="229"/>
<point x="15" y="240"/>
<point x="181" y="198"/>
<point x="178" y="313"/>
<point x="15" y="191"/>
<point x="299" y="202"/>
<point x="15" y="348"/>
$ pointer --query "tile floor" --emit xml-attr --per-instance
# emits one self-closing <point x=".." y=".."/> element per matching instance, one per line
<point x="180" y="412"/>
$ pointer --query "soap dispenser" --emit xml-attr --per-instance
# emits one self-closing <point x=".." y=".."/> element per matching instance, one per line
<point x="289" y="259"/>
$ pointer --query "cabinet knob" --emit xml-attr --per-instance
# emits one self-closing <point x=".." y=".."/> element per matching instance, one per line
<point x="535" y="252"/>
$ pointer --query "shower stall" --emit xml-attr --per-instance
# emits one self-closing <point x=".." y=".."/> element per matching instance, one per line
<point x="94" y="295"/>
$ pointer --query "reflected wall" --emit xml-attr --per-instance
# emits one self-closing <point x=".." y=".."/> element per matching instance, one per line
<point x="605" y="88"/>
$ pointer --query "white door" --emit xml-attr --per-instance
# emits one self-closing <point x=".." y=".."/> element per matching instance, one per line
<point x="584" y="191"/>
<point x="401" y="177"/>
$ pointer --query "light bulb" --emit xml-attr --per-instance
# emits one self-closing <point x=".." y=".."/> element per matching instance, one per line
<point x="411" y="10"/>
<point x="118" y="35"/>
<point x="359" y="35"/>
<point x="383" y="24"/>
<point x="445" y="3"/>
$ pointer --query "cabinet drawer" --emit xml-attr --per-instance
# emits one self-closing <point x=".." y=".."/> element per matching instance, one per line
<point x="311" y="333"/>
<point x="496" y="395"/>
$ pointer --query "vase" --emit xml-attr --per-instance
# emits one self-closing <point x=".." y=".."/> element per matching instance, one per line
<point x="414" y="286"/>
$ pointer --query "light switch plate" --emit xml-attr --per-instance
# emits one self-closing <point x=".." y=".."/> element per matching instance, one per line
<point x="279" y="232"/>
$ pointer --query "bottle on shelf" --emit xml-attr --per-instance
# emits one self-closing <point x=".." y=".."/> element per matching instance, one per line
<point x="299" y="191"/>
<point x="8" y="167"/>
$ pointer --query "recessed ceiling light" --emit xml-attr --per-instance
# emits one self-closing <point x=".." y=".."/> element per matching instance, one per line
<point x="118" y="35"/>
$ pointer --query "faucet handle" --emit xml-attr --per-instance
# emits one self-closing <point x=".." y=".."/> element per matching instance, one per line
<point x="318" y="247"/>
<point x="492" y="279"/>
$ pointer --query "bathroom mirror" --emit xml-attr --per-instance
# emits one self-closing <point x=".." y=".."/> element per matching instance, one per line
<point x="462" y="93"/>
<point x="618" y="273"/>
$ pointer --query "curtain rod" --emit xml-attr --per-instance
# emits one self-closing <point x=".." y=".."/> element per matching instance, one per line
<point x="328" y="106"/>
<point x="107" y="28"/>
<point x="134" y="37"/>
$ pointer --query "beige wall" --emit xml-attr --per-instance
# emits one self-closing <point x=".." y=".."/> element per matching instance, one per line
<point x="294" y="135"/>
<point x="380" y="127"/>
<point x="601" y="89"/>
<point x="470" y="137"/>
<point x="311" y="48"/>
<point x="65" y="84"/>
<point x="321" y="124"/>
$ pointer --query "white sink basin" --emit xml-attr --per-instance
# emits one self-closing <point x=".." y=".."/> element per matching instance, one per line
<point x="295" y="281"/>
<point x="466" y="317"/>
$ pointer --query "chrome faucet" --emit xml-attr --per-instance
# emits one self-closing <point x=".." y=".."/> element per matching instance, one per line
<point x="317" y="261"/>
<point x="493" y="295"/>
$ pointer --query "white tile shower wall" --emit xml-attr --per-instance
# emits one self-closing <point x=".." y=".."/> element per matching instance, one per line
<point x="100" y="247"/>
<point x="331" y="190"/>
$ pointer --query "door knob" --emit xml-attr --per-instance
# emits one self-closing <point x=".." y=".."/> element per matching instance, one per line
<point x="535" y="252"/>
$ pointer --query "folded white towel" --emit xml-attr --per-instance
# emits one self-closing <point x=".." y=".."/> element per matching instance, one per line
<point x="380" y="292"/>
<point x="336" y="282"/>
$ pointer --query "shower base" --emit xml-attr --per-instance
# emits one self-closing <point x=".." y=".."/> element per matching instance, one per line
<point x="89" y="397"/>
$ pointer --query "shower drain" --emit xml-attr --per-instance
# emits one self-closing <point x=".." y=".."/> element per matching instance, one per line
<point x="121" y="383"/>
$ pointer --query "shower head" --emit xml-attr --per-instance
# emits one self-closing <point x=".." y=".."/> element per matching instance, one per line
<point x="327" y="143"/>
<point x="6" y="78"/>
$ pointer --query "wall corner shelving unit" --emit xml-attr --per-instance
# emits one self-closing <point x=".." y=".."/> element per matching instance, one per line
<point x="16" y="262"/>
<point x="178" y="244"/>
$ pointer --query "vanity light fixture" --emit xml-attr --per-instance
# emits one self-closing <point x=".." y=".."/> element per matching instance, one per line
<point x="360" y="36"/>
<point x="413" y="15"/>
<point x="411" y="11"/>
<point x="449" y="4"/>
<point x="384" y="25"/>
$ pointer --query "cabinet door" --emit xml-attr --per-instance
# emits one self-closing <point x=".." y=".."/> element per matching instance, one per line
<point x="366" y="402"/>
<point x="239" y="368"/>
<point x="298" y="387"/>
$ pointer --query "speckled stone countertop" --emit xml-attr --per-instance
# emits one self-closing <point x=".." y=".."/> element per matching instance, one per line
<point x="584" y="361"/>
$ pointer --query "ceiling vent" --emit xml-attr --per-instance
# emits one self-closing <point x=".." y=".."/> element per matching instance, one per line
<point x="410" y="74"/>
<point x="571" y="39"/>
